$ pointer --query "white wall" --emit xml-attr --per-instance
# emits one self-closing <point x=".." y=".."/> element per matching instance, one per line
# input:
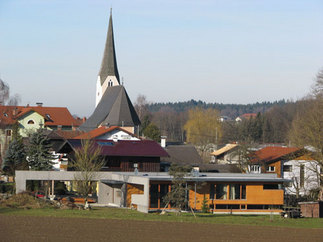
<point x="311" y="178"/>
<point x="119" y="134"/>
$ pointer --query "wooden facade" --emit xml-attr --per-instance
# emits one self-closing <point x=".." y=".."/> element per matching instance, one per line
<point x="277" y="168"/>
<point x="127" y="164"/>
<point x="133" y="189"/>
<point x="224" y="197"/>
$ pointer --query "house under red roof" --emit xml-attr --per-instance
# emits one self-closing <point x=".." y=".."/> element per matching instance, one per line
<point x="100" y="131"/>
<point x="273" y="153"/>
<point x="53" y="115"/>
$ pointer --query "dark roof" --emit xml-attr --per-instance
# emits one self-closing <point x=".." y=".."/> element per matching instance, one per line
<point x="145" y="148"/>
<point x="114" y="109"/>
<point x="187" y="155"/>
<point x="109" y="60"/>
<point x="221" y="168"/>
<point x="182" y="155"/>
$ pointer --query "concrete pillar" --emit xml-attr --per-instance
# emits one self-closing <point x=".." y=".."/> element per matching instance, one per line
<point x="20" y="184"/>
<point x="144" y="206"/>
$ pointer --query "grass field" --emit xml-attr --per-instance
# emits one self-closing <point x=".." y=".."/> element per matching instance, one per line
<point x="126" y="214"/>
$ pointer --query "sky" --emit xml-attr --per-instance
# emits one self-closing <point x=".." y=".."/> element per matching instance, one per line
<point x="225" y="51"/>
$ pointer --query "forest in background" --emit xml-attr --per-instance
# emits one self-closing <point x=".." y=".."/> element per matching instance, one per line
<point x="270" y="126"/>
<point x="230" y="110"/>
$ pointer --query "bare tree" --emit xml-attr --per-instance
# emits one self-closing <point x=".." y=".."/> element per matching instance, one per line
<point x="307" y="126"/>
<point x="141" y="106"/>
<point x="87" y="162"/>
<point x="5" y="98"/>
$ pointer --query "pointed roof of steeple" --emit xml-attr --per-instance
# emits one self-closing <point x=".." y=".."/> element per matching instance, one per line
<point x="115" y="108"/>
<point x="109" y="60"/>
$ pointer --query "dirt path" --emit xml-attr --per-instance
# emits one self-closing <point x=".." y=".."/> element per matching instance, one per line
<point x="23" y="228"/>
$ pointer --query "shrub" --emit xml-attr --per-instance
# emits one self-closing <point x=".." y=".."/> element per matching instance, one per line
<point x="7" y="187"/>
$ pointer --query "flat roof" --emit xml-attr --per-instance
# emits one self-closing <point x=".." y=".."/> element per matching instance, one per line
<point x="223" y="177"/>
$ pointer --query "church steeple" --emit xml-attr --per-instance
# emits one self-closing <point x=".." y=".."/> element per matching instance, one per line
<point x="108" y="74"/>
<point x="109" y="60"/>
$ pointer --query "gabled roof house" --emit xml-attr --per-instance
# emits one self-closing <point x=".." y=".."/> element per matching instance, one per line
<point x="293" y="163"/>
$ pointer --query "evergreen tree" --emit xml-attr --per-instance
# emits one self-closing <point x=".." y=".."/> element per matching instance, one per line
<point x="39" y="155"/>
<point x="152" y="132"/>
<point x="15" y="158"/>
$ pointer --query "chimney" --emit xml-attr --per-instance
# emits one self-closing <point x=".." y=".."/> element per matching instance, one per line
<point x="39" y="104"/>
<point x="14" y="111"/>
<point x="163" y="141"/>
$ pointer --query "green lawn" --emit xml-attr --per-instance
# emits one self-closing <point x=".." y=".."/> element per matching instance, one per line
<point x="117" y="213"/>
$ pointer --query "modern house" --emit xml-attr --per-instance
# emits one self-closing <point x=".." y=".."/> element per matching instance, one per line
<point x="225" y="193"/>
<point x="290" y="163"/>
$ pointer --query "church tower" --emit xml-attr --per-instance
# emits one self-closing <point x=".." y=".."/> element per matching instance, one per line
<point x="113" y="106"/>
<point x="108" y="74"/>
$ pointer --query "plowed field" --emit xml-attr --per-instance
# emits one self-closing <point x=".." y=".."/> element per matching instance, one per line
<point x="30" y="228"/>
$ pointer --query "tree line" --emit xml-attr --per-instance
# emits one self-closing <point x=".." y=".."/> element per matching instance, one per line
<point x="270" y="126"/>
<point x="230" y="110"/>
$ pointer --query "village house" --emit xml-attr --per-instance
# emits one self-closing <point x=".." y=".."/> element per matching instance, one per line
<point x="228" y="154"/>
<point x="290" y="163"/>
<point x="246" y="116"/>
<point x="30" y="118"/>
<point x="123" y="155"/>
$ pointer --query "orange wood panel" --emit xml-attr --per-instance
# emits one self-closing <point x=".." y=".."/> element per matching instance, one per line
<point x="133" y="189"/>
<point x="257" y="195"/>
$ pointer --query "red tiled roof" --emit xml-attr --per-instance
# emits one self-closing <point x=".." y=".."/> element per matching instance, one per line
<point x="273" y="153"/>
<point x="100" y="131"/>
<point x="249" y="115"/>
<point x="68" y="134"/>
<point x="145" y="148"/>
<point x="52" y="115"/>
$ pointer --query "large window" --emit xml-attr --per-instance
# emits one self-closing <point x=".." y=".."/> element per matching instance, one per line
<point x="236" y="191"/>
<point x="153" y="196"/>
<point x="221" y="191"/>
<point x="272" y="186"/>
<point x="212" y="191"/>
<point x="163" y="193"/>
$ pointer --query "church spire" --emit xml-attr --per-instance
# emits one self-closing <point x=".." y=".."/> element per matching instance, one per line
<point x="109" y="60"/>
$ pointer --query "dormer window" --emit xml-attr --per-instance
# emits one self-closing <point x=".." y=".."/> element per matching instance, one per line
<point x="31" y="122"/>
<point x="5" y="114"/>
<point x="110" y="84"/>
